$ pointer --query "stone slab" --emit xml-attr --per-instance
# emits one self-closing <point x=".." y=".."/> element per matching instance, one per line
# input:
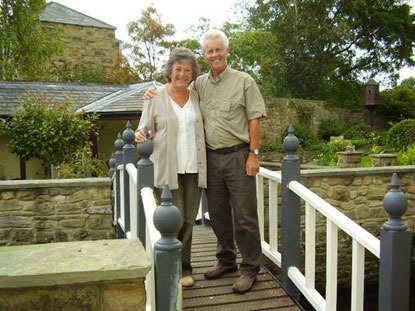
<point x="72" y="262"/>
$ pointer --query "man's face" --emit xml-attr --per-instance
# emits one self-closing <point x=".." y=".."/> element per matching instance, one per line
<point x="216" y="54"/>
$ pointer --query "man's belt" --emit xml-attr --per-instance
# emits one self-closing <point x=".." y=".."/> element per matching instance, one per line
<point x="230" y="149"/>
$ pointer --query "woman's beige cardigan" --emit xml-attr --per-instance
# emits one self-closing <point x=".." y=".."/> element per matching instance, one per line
<point x="160" y="118"/>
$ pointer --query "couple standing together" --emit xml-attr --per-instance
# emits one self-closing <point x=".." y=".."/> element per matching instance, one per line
<point x="206" y="135"/>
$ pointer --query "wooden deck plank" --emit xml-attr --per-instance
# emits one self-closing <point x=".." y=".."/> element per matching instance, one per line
<point x="215" y="295"/>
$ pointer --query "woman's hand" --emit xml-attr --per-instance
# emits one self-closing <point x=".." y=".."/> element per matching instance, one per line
<point x="140" y="136"/>
<point x="150" y="92"/>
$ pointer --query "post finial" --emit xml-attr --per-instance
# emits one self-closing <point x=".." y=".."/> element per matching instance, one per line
<point x="128" y="134"/>
<point x="167" y="219"/>
<point x="291" y="142"/>
<point x="395" y="204"/>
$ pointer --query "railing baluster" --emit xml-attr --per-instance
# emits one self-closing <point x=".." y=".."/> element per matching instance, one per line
<point x="331" y="266"/>
<point x="273" y="215"/>
<point x="310" y="245"/>
<point x="358" y="276"/>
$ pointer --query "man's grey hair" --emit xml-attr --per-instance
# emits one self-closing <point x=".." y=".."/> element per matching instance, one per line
<point x="214" y="34"/>
<point x="181" y="54"/>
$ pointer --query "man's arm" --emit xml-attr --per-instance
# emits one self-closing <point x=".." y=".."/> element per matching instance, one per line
<point x="252" y="164"/>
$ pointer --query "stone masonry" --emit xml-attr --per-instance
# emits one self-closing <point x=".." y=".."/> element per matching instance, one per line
<point x="358" y="193"/>
<point x="86" y="275"/>
<point x="55" y="210"/>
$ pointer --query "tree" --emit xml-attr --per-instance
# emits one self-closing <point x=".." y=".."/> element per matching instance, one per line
<point x="149" y="43"/>
<point x="47" y="130"/>
<point x="24" y="45"/>
<point x="399" y="103"/>
<point x="325" y="46"/>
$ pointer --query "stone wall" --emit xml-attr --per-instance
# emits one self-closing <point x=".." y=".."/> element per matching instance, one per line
<point x="358" y="193"/>
<point x="42" y="211"/>
<point x="86" y="275"/>
<point x="282" y="112"/>
<point x="85" y="46"/>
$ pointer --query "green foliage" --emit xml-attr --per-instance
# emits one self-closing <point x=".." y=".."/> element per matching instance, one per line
<point x="81" y="164"/>
<point x="24" y="46"/>
<point x="306" y="136"/>
<point x="47" y="130"/>
<point x="401" y="135"/>
<point x="358" y="131"/>
<point x="148" y="35"/>
<point x="254" y="51"/>
<point x="328" y="156"/>
<point x="399" y="103"/>
<point x="407" y="157"/>
<point x="329" y="127"/>
<point x="323" y="47"/>
<point x="304" y="113"/>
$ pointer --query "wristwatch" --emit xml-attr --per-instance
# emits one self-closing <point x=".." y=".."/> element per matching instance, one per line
<point x="254" y="151"/>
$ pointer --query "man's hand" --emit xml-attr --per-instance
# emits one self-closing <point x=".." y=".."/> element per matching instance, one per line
<point x="252" y="164"/>
<point x="150" y="92"/>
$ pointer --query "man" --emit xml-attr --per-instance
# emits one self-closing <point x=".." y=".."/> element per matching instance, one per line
<point x="231" y="106"/>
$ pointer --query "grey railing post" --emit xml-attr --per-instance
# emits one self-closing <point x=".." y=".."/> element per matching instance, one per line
<point x="145" y="178"/>
<point x="128" y="157"/>
<point x="167" y="253"/>
<point x="112" y="171"/>
<point x="395" y="253"/>
<point x="290" y="243"/>
<point x="118" y="144"/>
<point x="111" y="163"/>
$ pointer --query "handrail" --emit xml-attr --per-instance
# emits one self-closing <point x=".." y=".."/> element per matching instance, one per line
<point x="362" y="239"/>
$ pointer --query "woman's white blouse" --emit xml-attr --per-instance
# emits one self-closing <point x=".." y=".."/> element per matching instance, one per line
<point x="186" y="137"/>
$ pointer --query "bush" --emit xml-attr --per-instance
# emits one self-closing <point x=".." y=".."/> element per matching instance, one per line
<point x="329" y="127"/>
<point x="306" y="136"/>
<point x="358" y="132"/>
<point x="407" y="157"/>
<point x="401" y="135"/>
<point x="329" y="157"/>
<point x="81" y="164"/>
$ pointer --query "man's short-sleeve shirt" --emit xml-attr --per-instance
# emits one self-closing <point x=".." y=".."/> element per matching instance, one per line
<point x="227" y="104"/>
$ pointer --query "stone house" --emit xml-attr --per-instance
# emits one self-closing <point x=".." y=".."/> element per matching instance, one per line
<point x="89" y="43"/>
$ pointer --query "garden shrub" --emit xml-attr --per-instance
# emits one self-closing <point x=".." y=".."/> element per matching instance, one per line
<point x="329" y="157"/>
<point x="306" y="136"/>
<point x="398" y="103"/>
<point x="407" y="157"/>
<point x="401" y="135"/>
<point x="329" y="127"/>
<point x="358" y="132"/>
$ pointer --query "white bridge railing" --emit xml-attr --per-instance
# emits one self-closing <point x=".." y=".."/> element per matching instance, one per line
<point x="362" y="239"/>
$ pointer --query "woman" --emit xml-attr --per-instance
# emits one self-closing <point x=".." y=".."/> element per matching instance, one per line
<point x="175" y="125"/>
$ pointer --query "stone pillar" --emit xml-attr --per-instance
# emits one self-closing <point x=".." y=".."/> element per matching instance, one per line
<point x="349" y="158"/>
<point x="384" y="159"/>
<point x="290" y="243"/>
<point x="395" y="253"/>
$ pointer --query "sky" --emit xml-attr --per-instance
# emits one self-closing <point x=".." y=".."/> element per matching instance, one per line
<point x="181" y="13"/>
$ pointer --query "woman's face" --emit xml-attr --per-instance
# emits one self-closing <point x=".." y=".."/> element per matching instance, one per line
<point x="181" y="74"/>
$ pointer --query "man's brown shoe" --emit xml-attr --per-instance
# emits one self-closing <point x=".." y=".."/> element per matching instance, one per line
<point x="243" y="284"/>
<point x="219" y="270"/>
